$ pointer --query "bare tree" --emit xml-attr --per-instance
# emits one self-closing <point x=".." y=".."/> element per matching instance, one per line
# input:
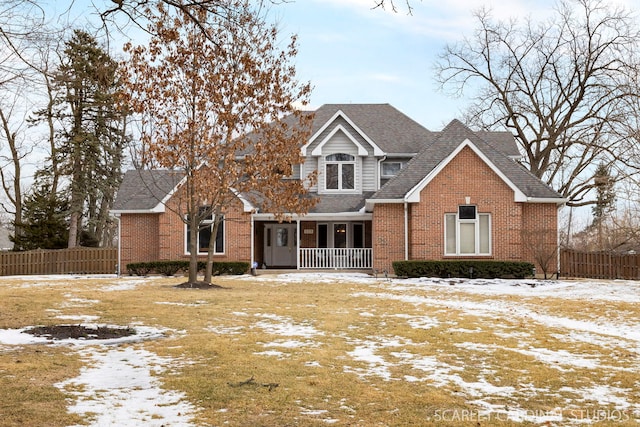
<point x="11" y="160"/>
<point x="566" y="88"/>
<point x="391" y="4"/>
<point x="541" y="245"/>
<point x="214" y="115"/>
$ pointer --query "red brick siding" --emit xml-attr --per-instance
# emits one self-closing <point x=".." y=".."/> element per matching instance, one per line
<point x="237" y="235"/>
<point x="388" y="235"/>
<point x="465" y="176"/>
<point x="138" y="238"/>
<point x="308" y="239"/>
<point x="539" y="225"/>
<point x="153" y="237"/>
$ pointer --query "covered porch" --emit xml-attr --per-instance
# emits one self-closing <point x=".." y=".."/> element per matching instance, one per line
<point x="338" y="242"/>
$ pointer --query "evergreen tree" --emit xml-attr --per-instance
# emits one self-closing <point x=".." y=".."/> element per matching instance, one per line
<point x="605" y="193"/>
<point x="93" y="138"/>
<point x="605" y="199"/>
<point x="44" y="219"/>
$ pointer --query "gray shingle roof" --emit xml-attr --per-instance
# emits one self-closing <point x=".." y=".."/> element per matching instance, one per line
<point x="388" y="128"/>
<point x="454" y="134"/>
<point x="333" y="203"/>
<point x="145" y="189"/>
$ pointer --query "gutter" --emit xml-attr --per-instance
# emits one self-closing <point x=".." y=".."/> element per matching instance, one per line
<point x="556" y="200"/>
<point x="119" y="266"/>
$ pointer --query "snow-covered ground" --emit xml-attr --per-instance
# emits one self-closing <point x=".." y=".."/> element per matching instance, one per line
<point x="118" y="387"/>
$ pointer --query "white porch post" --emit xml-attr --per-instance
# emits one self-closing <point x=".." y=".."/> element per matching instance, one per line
<point x="252" y="240"/>
<point x="298" y="240"/>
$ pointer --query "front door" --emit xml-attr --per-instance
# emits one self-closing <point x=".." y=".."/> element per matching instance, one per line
<point x="280" y="245"/>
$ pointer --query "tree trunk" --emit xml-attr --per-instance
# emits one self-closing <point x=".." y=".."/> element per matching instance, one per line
<point x="193" y="249"/>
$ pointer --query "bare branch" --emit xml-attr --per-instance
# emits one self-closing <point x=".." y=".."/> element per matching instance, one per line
<point x="566" y="88"/>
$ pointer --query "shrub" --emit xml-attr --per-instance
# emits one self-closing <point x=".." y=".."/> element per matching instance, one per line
<point x="139" y="268"/>
<point x="463" y="268"/>
<point x="170" y="268"/>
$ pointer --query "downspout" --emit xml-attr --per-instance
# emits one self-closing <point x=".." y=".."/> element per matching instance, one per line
<point x="558" y="243"/>
<point x="118" y="265"/>
<point x="382" y="159"/>
<point x="406" y="231"/>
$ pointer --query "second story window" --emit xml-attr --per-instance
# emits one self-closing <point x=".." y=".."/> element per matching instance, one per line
<point x="391" y="169"/>
<point x="340" y="171"/>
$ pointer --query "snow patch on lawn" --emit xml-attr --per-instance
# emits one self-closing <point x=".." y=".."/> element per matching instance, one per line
<point x="279" y="325"/>
<point x="84" y="318"/>
<point x="313" y="278"/>
<point x="182" y="304"/>
<point x="118" y="387"/>
<point x="21" y="337"/>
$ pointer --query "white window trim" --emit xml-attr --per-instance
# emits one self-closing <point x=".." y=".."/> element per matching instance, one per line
<point x="340" y="163"/>
<point x="475" y="221"/>
<point x="210" y="223"/>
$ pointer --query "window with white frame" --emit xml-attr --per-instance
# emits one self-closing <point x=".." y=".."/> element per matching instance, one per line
<point x="340" y="171"/>
<point x="467" y="232"/>
<point x="204" y="237"/>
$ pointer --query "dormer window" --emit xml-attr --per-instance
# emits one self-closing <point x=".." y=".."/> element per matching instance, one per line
<point x="340" y="171"/>
<point x="391" y="169"/>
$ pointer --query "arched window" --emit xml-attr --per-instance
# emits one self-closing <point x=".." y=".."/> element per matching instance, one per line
<point x="340" y="171"/>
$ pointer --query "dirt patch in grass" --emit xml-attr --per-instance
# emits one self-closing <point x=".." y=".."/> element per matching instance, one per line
<point x="199" y="285"/>
<point x="61" y="332"/>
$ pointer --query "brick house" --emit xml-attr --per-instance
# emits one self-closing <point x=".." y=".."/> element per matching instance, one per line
<point x="388" y="189"/>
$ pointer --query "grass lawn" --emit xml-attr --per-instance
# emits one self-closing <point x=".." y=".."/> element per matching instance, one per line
<point x="322" y="349"/>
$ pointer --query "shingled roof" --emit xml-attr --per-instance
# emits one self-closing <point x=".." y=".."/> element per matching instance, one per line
<point x="390" y="129"/>
<point x="451" y="137"/>
<point x="394" y="133"/>
<point x="144" y="190"/>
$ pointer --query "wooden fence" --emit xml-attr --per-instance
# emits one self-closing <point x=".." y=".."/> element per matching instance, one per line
<point x="599" y="265"/>
<point x="59" y="261"/>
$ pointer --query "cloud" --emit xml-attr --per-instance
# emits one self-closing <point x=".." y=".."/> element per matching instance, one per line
<point x="443" y="20"/>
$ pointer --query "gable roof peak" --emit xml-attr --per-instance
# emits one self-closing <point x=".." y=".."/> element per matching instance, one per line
<point x="387" y="127"/>
<point x="449" y="142"/>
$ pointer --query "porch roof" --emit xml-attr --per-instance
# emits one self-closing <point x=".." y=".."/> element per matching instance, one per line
<point x="337" y="203"/>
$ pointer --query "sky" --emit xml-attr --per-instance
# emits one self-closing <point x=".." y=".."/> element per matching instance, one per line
<point x="352" y="52"/>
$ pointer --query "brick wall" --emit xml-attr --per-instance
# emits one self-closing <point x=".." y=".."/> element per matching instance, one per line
<point x="308" y="239"/>
<point x="139" y="239"/>
<point x="465" y="176"/>
<point x="539" y="236"/>
<point x="154" y="237"/>
<point x="237" y="234"/>
<point x="388" y="235"/>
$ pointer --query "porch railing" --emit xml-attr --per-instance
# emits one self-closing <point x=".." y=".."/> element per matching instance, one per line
<point x="335" y="258"/>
